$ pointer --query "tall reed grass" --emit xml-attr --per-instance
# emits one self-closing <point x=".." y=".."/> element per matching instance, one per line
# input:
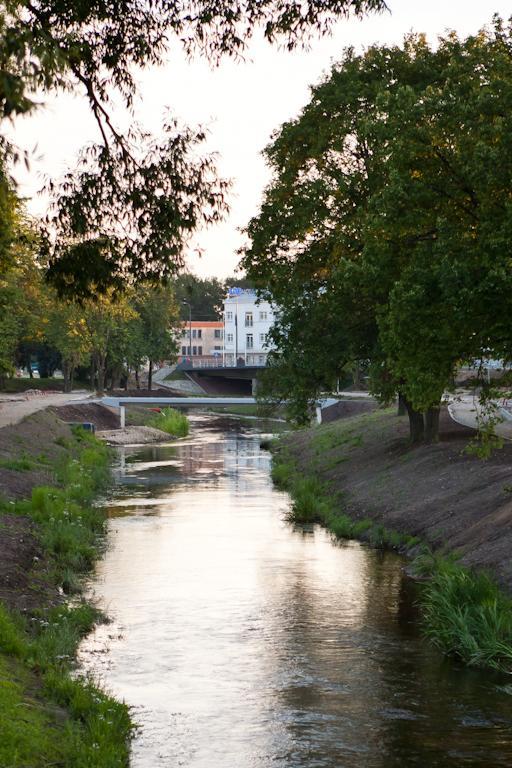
<point x="172" y="421"/>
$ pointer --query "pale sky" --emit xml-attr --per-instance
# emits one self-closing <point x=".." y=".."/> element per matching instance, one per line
<point x="240" y="103"/>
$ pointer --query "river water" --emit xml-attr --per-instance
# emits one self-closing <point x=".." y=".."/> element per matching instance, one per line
<point x="241" y="642"/>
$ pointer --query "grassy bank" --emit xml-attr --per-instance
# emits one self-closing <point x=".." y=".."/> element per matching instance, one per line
<point x="49" y="715"/>
<point x="464" y="611"/>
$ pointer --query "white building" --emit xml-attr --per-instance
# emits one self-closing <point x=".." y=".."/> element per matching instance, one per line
<point x="247" y="322"/>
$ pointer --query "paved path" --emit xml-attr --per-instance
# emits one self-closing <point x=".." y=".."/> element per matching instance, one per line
<point x="465" y="409"/>
<point x="14" y="408"/>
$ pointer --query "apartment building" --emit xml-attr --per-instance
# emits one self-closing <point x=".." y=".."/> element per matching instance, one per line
<point x="201" y="340"/>
<point x="247" y="322"/>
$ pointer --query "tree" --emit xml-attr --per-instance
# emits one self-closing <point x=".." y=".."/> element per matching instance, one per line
<point x="103" y="317"/>
<point x="204" y="295"/>
<point x="159" y="319"/>
<point x="67" y="332"/>
<point x="130" y="206"/>
<point x="389" y="194"/>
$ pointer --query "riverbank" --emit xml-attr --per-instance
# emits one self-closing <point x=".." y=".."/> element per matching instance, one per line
<point x="50" y="536"/>
<point x="361" y="479"/>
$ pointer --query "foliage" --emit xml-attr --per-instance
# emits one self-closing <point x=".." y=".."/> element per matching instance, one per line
<point x="172" y="421"/>
<point x="204" y="295"/>
<point x="384" y="234"/>
<point x="130" y="206"/>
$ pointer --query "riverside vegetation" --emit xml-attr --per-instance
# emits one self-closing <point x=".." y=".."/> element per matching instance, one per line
<point x="464" y="612"/>
<point x="172" y="421"/>
<point x="49" y="715"/>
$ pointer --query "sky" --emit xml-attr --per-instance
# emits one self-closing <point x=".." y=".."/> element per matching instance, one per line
<point x="240" y="103"/>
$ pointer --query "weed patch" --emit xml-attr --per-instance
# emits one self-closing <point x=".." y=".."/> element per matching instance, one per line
<point x="172" y="421"/>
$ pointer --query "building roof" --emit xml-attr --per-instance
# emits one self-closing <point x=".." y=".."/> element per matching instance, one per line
<point x="203" y="323"/>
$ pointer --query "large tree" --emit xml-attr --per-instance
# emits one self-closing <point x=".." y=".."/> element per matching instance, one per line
<point x="391" y="194"/>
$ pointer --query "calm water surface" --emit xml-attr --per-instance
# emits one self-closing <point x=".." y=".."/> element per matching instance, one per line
<point x="243" y="643"/>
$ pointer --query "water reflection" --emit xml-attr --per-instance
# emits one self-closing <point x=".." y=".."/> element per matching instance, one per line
<point x="243" y="643"/>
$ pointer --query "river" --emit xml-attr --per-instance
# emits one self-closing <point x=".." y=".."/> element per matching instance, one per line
<point x="241" y="642"/>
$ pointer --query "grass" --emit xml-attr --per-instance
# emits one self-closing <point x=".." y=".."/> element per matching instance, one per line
<point x="19" y="464"/>
<point x="51" y="715"/>
<point x="464" y="614"/>
<point x="170" y="420"/>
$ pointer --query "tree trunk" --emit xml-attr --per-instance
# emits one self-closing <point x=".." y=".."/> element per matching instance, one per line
<point x="416" y="424"/>
<point x="92" y="374"/>
<point x="100" y="372"/>
<point x="137" y="380"/>
<point x="356" y="377"/>
<point x="402" y="408"/>
<point x="432" y="425"/>
<point x="150" y="375"/>
<point x="66" y="372"/>
<point x="116" y="377"/>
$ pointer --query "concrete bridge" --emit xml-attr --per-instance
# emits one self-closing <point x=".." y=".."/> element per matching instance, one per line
<point x="191" y="402"/>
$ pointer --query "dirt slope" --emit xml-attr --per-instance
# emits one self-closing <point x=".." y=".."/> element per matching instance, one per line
<point x="438" y="492"/>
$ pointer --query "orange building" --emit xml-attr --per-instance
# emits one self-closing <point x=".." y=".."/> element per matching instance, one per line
<point x="206" y="343"/>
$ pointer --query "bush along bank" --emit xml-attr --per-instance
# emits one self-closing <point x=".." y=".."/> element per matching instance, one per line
<point x="464" y="613"/>
<point x="49" y="714"/>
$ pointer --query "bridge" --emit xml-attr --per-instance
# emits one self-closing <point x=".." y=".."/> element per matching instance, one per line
<point x="245" y="375"/>
<point x="120" y="403"/>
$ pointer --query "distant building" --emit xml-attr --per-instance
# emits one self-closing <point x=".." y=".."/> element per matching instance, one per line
<point x="207" y="341"/>
<point x="247" y="322"/>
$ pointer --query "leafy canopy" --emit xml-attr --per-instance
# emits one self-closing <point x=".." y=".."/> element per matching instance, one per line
<point x="129" y="207"/>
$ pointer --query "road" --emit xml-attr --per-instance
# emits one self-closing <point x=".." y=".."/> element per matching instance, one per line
<point x="14" y="408"/>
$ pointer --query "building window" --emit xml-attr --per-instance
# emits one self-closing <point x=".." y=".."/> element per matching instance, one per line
<point x="229" y="338"/>
<point x="194" y="350"/>
<point x="229" y="316"/>
<point x="194" y="333"/>
<point x="248" y="319"/>
<point x="263" y="338"/>
<point x="249" y="341"/>
<point x="183" y="350"/>
<point x="263" y="315"/>
<point x="199" y="350"/>
<point x="199" y="333"/>
<point x="217" y="349"/>
<point x="261" y="359"/>
<point x="216" y="333"/>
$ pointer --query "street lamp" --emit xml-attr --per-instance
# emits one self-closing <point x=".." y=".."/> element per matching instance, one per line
<point x="189" y="326"/>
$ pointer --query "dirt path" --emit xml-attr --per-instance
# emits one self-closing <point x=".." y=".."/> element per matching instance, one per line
<point x="14" y="408"/>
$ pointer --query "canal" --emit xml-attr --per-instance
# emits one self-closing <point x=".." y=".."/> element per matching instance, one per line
<point x="241" y="642"/>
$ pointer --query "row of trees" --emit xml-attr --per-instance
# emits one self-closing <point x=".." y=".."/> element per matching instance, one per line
<point x="385" y="234"/>
<point x="109" y="336"/>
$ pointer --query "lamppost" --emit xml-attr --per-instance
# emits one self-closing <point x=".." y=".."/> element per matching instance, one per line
<point x="189" y="327"/>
